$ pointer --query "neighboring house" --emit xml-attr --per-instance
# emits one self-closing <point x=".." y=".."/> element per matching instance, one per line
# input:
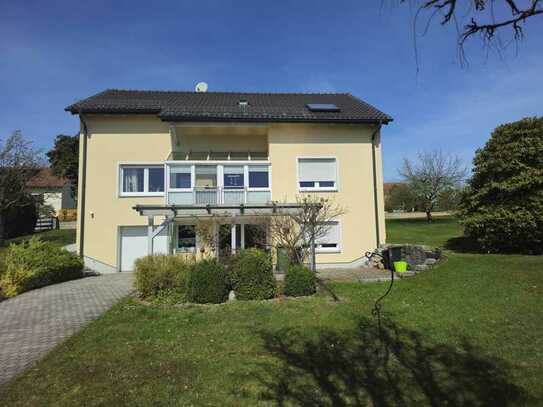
<point x="153" y="164"/>
<point x="56" y="192"/>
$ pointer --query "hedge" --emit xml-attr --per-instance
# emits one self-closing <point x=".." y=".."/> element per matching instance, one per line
<point x="207" y="282"/>
<point x="251" y="275"/>
<point x="36" y="263"/>
<point x="160" y="273"/>
<point x="299" y="281"/>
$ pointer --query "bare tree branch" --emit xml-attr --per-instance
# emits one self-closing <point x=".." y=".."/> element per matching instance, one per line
<point x="481" y="18"/>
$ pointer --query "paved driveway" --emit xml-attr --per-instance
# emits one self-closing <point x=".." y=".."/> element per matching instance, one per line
<point x="34" y="322"/>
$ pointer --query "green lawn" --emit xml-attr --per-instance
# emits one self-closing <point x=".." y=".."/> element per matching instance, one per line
<point x="466" y="333"/>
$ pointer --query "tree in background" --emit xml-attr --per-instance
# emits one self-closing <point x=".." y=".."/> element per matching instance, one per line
<point x="502" y="208"/>
<point x="401" y="197"/>
<point x="432" y="175"/>
<point x="64" y="159"/>
<point x="19" y="162"/>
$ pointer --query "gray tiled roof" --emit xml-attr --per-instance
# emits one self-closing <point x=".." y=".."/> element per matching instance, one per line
<point x="224" y="106"/>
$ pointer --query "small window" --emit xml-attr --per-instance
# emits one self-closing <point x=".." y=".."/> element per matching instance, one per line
<point x="186" y="238"/>
<point x="139" y="180"/>
<point x="316" y="174"/>
<point x="233" y="177"/>
<point x="259" y="176"/>
<point x="180" y="177"/>
<point x="322" y="107"/>
<point x="330" y="241"/>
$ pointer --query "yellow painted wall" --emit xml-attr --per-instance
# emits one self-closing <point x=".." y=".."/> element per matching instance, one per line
<point x="115" y="139"/>
<point x="351" y="145"/>
<point x="145" y="139"/>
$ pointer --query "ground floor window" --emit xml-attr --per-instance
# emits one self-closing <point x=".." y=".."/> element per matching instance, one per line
<point x="186" y="238"/>
<point x="331" y="239"/>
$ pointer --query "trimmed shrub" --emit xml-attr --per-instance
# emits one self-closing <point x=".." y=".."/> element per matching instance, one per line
<point x="159" y="273"/>
<point x="502" y="207"/>
<point x="251" y="275"/>
<point x="36" y="263"/>
<point x="207" y="282"/>
<point x="299" y="281"/>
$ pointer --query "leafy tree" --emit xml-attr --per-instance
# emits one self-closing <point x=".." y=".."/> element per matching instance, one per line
<point x="433" y="174"/>
<point x="64" y="159"/>
<point x="502" y="208"/>
<point x="19" y="162"/>
<point x="402" y="197"/>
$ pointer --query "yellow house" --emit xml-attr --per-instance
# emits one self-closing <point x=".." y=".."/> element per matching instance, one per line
<point x="155" y="164"/>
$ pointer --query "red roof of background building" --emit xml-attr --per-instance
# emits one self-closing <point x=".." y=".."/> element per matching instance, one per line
<point x="46" y="179"/>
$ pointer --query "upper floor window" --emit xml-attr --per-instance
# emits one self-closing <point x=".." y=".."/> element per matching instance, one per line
<point x="233" y="176"/>
<point x="180" y="177"/>
<point x="259" y="176"/>
<point x="317" y="174"/>
<point x="142" y="180"/>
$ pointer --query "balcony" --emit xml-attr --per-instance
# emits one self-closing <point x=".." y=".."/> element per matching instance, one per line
<point x="219" y="196"/>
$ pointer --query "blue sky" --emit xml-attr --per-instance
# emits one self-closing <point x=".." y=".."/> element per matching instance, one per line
<point x="53" y="53"/>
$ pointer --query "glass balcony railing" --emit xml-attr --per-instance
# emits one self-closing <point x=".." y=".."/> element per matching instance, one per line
<point x="219" y="196"/>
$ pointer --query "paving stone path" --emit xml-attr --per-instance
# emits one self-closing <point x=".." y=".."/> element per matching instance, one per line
<point x="34" y="322"/>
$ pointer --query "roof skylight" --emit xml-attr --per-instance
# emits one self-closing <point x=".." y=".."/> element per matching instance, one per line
<point x="322" y="107"/>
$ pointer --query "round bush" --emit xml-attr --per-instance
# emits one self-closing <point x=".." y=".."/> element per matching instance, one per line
<point x="36" y="263"/>
<point x="160" y="273"/>
<point x="251" y="275"/>
<point x="299" y="281"/>
<point x="502" y="207"/>
<point x="207" y="283"/>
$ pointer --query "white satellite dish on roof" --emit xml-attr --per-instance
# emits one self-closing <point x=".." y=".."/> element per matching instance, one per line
<point x="201" y="87"/>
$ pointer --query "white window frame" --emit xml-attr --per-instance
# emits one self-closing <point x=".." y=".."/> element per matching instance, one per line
<point x="177" y="249"/>
<point x="336" y="249"/>
<point x="252" y="189"/>
<point x="220" y="173"/>
<point x="317" y="188"/>
<point x="146" y="167"/>
<point x="192" y="178"/>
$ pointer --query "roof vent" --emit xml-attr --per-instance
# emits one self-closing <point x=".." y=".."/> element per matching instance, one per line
<point x="322" y="107"/>
<point x="201" y="87"/>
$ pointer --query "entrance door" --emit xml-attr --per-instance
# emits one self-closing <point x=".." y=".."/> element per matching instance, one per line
<point x="232" y="238"/>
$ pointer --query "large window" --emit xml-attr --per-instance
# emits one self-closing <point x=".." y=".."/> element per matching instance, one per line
<point x="259" y="176"/>
<point x="186" y="238"/>
<point x="331" y="241"/>
<point x="317" y="174"/>
<point x="180" y="177"/>
<point x="142" y="180"/>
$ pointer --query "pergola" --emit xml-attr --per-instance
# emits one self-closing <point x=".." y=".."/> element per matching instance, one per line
<point x="171" y="212"/>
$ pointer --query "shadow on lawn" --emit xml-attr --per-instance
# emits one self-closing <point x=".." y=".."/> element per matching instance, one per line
<point x="463" y="244"/>
<point x="399" y="367"/>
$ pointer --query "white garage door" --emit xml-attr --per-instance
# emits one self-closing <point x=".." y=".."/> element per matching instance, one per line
<point x="134" y="245"/>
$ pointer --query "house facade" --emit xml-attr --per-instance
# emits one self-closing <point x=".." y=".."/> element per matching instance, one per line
<point x="154" y="165"/>
<point x="55" y="192"/>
